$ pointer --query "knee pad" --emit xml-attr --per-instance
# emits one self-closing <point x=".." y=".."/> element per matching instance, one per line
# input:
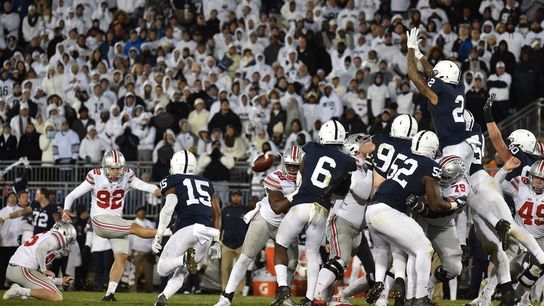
<point x="443" y="275"/>
<point x="336" y="266"/>
<point x="530" y="275"/>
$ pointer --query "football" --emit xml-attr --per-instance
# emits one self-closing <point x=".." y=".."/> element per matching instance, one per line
<point x="263" y="162"/>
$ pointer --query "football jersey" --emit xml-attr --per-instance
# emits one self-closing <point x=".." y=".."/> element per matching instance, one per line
<point x="461" y="188"/>
<point x="38" y="251"/>
<point x="529" y="205"/>
<point x="194" y="193"/>
<point x="275" y="181"/>
<point x="43" y="218"/>
<point x="405" y="178"/>
<point x="526" y="159"/>
<point x="352" y="207"/>
<point x="477" y="141"/>
<point x="386" y="151"/>
<point x="325" y="167"/>
<point x="108" y="198"/>
<point x="447" y="114"/>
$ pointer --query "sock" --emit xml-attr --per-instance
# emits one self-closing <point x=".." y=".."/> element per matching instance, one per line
<point x="290" y="277"/>
<point x="411" y="278"/>
<point x="112" y="286"/>
<point x="453" y="289"/>
<point x="312" y="271"/>
<point x="175" y="282"/>
<point x="281" y="275"/>
<point x="354" y="288"/>
<point x="23" y="291"/>
<point x="237" y="273"/>
<point x="324" y="280"/>
<point x="422" y="265"/>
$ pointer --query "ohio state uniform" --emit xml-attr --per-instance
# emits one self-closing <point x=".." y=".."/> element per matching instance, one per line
<point x="529" y="205"/>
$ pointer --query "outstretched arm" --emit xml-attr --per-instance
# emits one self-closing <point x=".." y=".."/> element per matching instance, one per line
<point x="413" y="73"/>
<point x="165" y="216"/>
<point x="143" y="186"/>
<point x="216" y="213"/>
<point x="493" y="130"/>
<point x="80" y="190"/>
<point x="434" y="196"/>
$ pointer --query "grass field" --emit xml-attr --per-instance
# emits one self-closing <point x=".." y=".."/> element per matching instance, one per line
<point x="92" y="298"/>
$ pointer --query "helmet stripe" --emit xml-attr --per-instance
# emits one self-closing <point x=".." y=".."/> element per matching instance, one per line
<point x="115" y="158"/>
<point x="447" y="160"/>
<point x="335" y="130"/>
<point x="410" y="126"/>
<point x="295" y="152"/>
<point x="419" y="139"/>
<point x="186" y="161"/>
<point x="541" y="166"/>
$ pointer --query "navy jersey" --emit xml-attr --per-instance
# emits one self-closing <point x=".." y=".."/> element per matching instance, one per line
<point x="194" y="195"/>
<point x="447" y="114"/>
<point x="526" y="159"/>
<point x="325" y="168"/>
<point x="477" y="142"/>
<point x="405" y="178"/>
<point x="386" y="151"/>
<point x="43" y="218"/>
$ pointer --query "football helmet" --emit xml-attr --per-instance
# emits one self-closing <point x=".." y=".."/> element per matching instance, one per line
<point x="290" y="162"/>
<point x="352" y="143"/>
<point x="404" y="126"/>
<point x="447" y="71"/>
<point x="183" y="162"/>
<point x="452" y="168"/>
<point x="67" y="230"/>
<point x="113" y="160"/>
<point x="332" y="132"/>
<point x="524" y="139"/>
<point x="469" y="120"/>
<point x="537" y="169"/>
<point x="425" y="143"/>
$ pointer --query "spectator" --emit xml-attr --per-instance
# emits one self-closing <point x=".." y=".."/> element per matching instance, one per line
<point x="142" y="256"/>
<point x="378" y="96"/>
<point x="381" y="124"/>
<point x="406" y="99"/>
<point x="475" y="100"/>
<point x="277" y="115"/>
<point x="527" y="81"/>
<point x="225" y="117"/>
<point x="65" y="146"/>
<point x="296" y="130"/>
<point x="81" y="125"/>
<point x="10" y="232"/>
<point x="169" y="140"/>
<point x="46" y="144"/>
<point x="352" y="123"/>
<point x="499" y="83"/>
<point x="92" y="147"/>
<point x="216" y="166"/>
<point x="503" y="55"/>
<point x="29" y="144"/>
<point x="233" y="231"/>
<point x="147" y="135"/>
<point x="185" y="138"/>
<point x="19" y="122"/>
<point x="8" y="144"/>
<point x="44" y="214"/>
<point x="330" y="105"/>
<point x="128" y="143"/>
<point x="198" y="118"/>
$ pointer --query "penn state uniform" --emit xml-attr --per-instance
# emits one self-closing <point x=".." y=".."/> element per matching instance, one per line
<point x="325" y="168"/>
<point x="31" y="259"/>
<point x="193" y="218"/>
<point x="526" y="159"/>
<point x="387" y="148"/>
<point x="43" y="217"/>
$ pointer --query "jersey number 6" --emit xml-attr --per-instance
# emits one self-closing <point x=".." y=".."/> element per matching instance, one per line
<point x="321" y="177"/>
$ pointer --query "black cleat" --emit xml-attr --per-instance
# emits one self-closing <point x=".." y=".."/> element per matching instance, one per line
<point x="502" y="227"/>
<point x="161" y="300"/>
<point x="399" y="292"/>
<point x="190" y="261"/>
<point x="424" y="301"/>
<point x="229" y="296"/>
<point x="374" y="293"/>
<point x="109" y="298"/>
<point x="284" y="293"/>
<point x="305" y="302"/>
<point x="509" y="296"/>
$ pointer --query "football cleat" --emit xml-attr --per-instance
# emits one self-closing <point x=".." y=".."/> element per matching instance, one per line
<point x="399" y="292"/>
<point x="109" y="298"/>
<point x="284" y="294"/>
<point x="502" y="227"/>
<point x="374" y="293"/>
<point x="161" y="300"/>
<point x="11" y="292"/>
<point x="339" y="300"/>
<point x="225" y="299"/>
<point x="190" y="261"/>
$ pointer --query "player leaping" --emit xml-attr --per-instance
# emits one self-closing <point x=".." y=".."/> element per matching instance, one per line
<point x="109" y="186"/>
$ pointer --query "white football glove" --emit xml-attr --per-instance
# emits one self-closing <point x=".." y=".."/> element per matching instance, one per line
<point x="413" y="42"/>
<point x="156" y="247"/>
<point x="215" y="250"/>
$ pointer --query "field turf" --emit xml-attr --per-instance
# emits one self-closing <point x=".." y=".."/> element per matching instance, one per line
<point x="93" y="298"/>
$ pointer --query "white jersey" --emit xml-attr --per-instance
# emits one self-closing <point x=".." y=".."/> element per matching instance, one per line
<point x="275" y="181"/>
<point x="108" y="198"/>
<point x="529" y="205"/>
<point x="38" y="251"/>
<point x="352" y="208"/>
<point x="453" y="191"/>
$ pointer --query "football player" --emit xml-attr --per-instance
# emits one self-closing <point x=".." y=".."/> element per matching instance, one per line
<point x="265" y="219"/>
<point x="414" y="173"/>
<point x="192" y="198"/>
<point x="324" y="171"/>
<point x="345" y="222"/>
<point x="109" y="186"/>
<point x="28" y="266"/>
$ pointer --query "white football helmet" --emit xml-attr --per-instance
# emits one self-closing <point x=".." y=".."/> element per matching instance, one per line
<point x="113" y="159"/>
<point x="425" y="143"/>
<point x="353" y="142"/>
<point x="452" y="168"/>
<point x="525" y="139"/>
<point x="447" y="71"/>
<point x="183" y="162"/>
<point x="67" y="230"/>
<point x="290" y="162"/>
<point x="469" y="120"/>
<point x="332" y="133"/>
<point x="537" y="169"/>
<point x="404" y="126"/>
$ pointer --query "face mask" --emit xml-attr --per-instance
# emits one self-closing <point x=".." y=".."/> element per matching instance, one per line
<point x="50" y="134"/>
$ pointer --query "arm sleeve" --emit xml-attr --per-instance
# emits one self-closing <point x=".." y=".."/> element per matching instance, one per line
<point x="166" y="213"/>
<point x="500" y="176"/>
<point x="143" y="186"/>
<point x="43" y="249"/>
<point x="80" y="190"/>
